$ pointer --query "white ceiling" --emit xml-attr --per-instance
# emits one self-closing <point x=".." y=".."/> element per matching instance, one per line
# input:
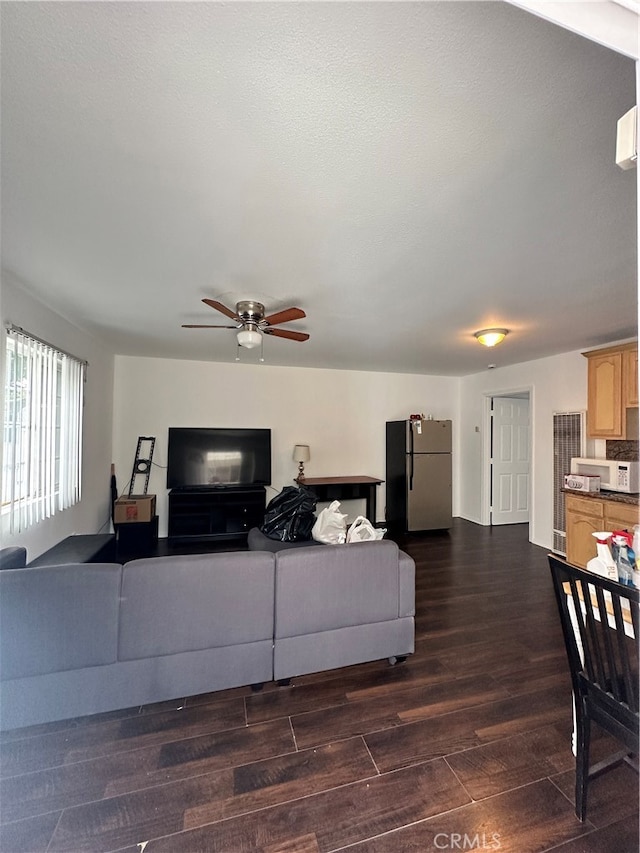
<point x="406" y="173"/>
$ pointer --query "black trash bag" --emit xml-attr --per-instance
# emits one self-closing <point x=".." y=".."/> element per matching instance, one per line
<point x="290" y="516"/>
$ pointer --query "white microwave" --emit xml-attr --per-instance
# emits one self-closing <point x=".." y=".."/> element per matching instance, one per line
<point x="615" y="475"/>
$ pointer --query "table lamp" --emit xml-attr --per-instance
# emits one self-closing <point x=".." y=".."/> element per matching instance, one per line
<point x="301" y="455"/>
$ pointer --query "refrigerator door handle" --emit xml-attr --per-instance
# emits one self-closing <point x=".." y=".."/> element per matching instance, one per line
<point x="410" y="456"/>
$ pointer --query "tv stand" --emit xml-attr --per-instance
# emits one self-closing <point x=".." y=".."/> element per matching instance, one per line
<point x="201" y="515"/>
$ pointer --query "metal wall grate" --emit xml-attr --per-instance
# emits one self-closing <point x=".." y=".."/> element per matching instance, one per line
<point x="568" y="441"/>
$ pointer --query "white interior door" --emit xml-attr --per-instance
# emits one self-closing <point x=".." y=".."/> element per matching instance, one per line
<point x="510" y="460"/>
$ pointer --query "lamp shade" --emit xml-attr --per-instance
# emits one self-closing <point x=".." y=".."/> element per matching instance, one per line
<point x="491" y="337"/>
<point x="249" y="338"/>
<point x="301" y="453"/>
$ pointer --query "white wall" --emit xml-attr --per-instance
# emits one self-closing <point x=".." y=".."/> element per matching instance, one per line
<point x="340" y="414"/>
<point x="92" y="513"/>
<point x="556" y="384"/>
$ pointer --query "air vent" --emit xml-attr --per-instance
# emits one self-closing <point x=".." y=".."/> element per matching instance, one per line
<point x="568" y="441"/>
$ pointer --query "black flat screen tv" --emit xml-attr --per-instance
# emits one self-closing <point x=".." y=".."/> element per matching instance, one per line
<point x="218" y="457"/>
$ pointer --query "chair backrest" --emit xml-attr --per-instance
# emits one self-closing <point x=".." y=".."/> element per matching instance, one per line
<point x="600" y="625"/>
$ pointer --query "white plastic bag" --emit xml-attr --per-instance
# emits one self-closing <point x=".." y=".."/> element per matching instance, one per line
<point x="363" y="531"/>
<point x="330" y="526"/>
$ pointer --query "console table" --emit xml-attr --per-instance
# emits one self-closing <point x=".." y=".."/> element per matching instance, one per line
<point x="345" y="488"/>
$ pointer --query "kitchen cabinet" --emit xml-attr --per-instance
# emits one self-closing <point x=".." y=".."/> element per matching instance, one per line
<point x="619" y="516"/>
<point x="630" y="377"/>
<point x="612" y="392"/>
<point x="585" y="516"/>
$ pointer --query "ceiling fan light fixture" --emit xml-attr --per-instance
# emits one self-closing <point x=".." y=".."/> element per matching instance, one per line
<point x="490" y="337"/>
<point x="249" y="338"/>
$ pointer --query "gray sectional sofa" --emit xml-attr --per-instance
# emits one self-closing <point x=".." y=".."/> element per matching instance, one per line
<point x="84" y="638"/>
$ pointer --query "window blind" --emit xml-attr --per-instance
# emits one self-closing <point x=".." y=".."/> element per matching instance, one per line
<point x="42" y="444"/>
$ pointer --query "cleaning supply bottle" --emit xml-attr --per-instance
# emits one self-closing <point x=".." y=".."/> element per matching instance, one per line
<point x="636" y="551"/>
<point x="631" y="554"/>
<point x="603" y="564"/>
<point x="635" y="575"/>
<point x="625" y="569"/>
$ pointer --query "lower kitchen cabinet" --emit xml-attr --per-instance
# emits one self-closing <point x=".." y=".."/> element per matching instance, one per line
<point x="619" y="516"/>
<point x="585" y="516"/>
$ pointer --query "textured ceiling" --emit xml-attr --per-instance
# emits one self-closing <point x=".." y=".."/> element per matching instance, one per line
<point x="406" y="173"/>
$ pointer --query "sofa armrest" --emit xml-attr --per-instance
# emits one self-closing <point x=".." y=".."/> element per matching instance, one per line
<point x="407" y="581"/>
<point x="13" y="557"/>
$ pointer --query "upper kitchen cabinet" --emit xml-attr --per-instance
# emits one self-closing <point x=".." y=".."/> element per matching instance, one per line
<point x="630" y="377"/>
<point x="612" y="392"/>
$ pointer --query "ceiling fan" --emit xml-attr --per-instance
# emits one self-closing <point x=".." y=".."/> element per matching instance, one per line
<point x="251" y="323"/>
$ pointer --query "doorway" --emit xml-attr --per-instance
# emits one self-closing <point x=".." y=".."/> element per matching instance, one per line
<point x="509" y="458"/>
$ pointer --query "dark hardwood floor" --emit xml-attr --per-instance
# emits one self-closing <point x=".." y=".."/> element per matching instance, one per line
<point x="465" y="746"/>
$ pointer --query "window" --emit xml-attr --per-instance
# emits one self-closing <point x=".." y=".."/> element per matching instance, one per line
<point x="42" y="443"/>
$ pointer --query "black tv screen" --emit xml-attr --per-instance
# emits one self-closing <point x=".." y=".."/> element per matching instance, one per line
<point x="216" y="457"/>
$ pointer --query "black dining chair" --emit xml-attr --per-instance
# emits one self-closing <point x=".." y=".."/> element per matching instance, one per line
<point x="600" y="626"/>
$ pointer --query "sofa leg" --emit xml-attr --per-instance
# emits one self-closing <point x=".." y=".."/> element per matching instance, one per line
<point x="284" y="682"/>
<point x="256" y="688"/>
<point x="394" y="659"/>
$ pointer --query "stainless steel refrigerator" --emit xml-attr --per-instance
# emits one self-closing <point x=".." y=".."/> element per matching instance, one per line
<point x="419" y="475"/>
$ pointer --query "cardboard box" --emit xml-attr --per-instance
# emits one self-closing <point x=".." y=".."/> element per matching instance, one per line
<point x="582" y="482"/>
<point x="134" y="508"/>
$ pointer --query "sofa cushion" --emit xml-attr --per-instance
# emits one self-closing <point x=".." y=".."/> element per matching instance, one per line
<point x="58" y="618"/>
<point x="323" y="588"/>
<point x="199" y="601"/>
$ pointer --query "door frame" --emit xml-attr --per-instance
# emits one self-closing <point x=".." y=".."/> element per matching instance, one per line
<point x="485" y="507"/>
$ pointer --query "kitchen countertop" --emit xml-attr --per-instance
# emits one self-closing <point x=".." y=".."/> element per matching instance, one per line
<point x="617" y="497"/>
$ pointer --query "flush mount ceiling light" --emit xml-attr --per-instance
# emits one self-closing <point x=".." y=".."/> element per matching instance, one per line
<point x="490" y="337"/>
<point x="249" y="337"/>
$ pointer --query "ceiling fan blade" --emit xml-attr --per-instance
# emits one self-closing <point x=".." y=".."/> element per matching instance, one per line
<point x="285" y="333"/>
<point x="199" y="326"/>
<point x="212" y="303"/>
<point x="285" y="316"/>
